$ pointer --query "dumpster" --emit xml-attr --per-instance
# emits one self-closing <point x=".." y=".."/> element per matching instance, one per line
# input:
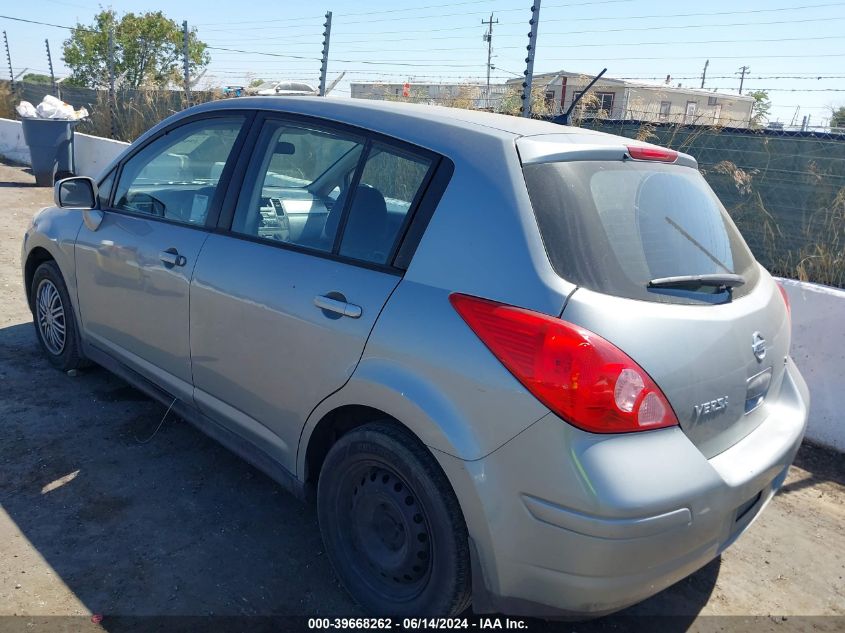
<point x="51" y="147"/>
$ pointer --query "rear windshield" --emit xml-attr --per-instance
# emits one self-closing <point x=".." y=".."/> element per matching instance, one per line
<point x="613" y="226"/>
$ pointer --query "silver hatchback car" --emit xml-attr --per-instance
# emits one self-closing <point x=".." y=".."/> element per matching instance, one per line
<point x="531" y="367"/>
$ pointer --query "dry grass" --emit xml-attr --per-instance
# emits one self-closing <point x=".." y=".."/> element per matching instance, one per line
<point x="823" y="261"/>
<point x="137" y="111"/>
<point x="7" y="101"/>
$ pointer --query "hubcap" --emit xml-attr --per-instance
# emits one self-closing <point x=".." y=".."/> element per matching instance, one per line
<point x="389" y="531"/>
<point x="51" y="317"/>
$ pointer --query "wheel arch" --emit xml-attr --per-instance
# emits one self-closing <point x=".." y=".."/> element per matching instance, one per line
<point x="383" y="390"/>
<point x="37" y="256"/>
<point x="331" y="427"/>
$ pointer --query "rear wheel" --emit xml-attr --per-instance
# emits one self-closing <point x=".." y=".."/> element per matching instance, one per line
<point x="392" y="525"/>
<point x="52" y="312"/>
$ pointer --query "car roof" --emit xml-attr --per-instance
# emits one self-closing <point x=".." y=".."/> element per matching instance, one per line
<point x="452" y="132"/>
<point x="373" y="114"/>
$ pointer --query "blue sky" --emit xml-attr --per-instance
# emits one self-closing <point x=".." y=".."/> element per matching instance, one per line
<point x="787" y="44"/>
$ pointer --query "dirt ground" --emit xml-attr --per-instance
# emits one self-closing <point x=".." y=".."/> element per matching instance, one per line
<point x="93" y="522"/>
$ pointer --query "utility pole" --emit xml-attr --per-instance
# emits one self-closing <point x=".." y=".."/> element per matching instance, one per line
<point x="324" y="66"/>
<point x="704" y="72"/>
<point x="742" y="72"/>
<point x="186" y="67"/>
<point x="525" y="108"/>
<point x="112" y="97"/>
<point x="9" y="60"/>
<point x="488" y="37"/>
<point x="50" y="64"/>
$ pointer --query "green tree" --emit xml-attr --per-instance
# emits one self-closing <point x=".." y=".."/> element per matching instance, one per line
<point x="147" y="50"/>
<point x="36" y="78"/>
<point x="255" y="83"/>
<point x="760" y="108"/>
<point x="837" y="117"/>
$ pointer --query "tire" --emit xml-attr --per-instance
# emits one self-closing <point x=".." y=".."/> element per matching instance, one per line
<point x="55" y="323"/>
<point x="392" y="526"/>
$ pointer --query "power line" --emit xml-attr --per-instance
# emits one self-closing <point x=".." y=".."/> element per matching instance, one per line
<point x="634" y="17"/>
<point x="598" y="59"/>
<point x="58" y="26"/>
<point x="477" y="13"/>
<point x="608" y="44"/>
<point x="418" y="17"/>
<point x="431" y="6"/>
<point x="343" y="61"/>
<point x="695" y="15"/>
<point x="623" y="30"/>
<point x="798" y="90"/>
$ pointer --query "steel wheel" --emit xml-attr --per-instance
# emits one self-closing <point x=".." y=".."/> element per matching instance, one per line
<point x="50" y="313"/>
<point x="392" y="526"/>
<point x="389" y="530"/>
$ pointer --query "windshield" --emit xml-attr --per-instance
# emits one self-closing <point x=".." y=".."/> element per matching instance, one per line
<point x="614" y="226"/>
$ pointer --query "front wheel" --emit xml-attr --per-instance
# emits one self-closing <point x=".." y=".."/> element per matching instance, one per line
<point x="55" y="324"/>
<point x="392" y="526"/>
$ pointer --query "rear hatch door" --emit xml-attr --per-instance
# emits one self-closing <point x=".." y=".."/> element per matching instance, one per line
<point x="664" y="274"/>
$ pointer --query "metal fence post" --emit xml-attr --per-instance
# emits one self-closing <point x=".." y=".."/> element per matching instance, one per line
<point x="50" y="64"/>
<point x="186" y="63"/>
<point x="9" y="60"/>
<point x="525" y="108"/>
<point x="325" y="65"/>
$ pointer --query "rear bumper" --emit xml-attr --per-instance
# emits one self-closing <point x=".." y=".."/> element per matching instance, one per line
<point x="565" y="522"/>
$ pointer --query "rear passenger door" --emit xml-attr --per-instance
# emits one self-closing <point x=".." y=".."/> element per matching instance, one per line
<point x="284" y="298"/>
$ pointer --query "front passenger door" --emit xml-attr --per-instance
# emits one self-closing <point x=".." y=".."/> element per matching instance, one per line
<point x="134" y="270"/>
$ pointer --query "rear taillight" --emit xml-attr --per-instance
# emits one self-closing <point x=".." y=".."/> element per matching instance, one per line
<point x="586" y="380"/>
<point x="785" y="298"/>
<point x="660" y="154"/>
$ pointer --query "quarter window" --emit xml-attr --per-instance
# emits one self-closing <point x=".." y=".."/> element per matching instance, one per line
<point x="175" y="177"/>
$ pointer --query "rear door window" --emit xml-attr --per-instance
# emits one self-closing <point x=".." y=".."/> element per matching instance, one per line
<point x="613" y="226"/>
<point x="389" y="185"/>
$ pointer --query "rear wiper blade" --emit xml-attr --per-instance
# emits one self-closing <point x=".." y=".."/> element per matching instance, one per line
<point x="716" y="280"/>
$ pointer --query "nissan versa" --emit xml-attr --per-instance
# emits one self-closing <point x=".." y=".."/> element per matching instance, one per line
<point x="522" y="365"/>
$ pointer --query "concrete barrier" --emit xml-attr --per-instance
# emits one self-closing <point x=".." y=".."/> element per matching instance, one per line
<point x="12" y="146"/>
<point x="818" y="348"/>
<point x="818" y="312"/>
<point x="91" y="153"/>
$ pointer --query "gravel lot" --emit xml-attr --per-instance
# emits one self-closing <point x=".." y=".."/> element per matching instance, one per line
<point x="92" y="521"/>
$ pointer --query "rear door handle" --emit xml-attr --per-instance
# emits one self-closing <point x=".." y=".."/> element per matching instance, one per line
<point x="337" y="306"/>
<point x="171" y="257"/>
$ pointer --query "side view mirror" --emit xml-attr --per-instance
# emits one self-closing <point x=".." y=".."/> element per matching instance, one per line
<point x="78" y="192"/>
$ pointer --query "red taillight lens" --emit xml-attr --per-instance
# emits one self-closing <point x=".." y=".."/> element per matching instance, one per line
<point x="661" y="154"/>
<point x="583" y="378"/>
<point x="785" y="298"/>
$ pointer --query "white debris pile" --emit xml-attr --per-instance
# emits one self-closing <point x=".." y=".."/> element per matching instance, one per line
<point x="51" y="108"/>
